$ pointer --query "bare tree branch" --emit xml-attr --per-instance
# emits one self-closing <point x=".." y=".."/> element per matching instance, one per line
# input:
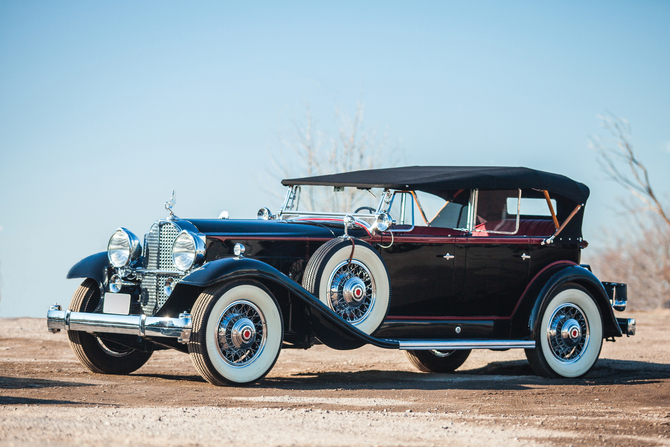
<point x="640" y="258"/>
<point x="616" y="157"/>
<point x="316" y="152"/>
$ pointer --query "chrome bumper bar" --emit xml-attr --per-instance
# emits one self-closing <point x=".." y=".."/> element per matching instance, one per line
<point x="140" y="325"/>
<point x="446" y="345"/>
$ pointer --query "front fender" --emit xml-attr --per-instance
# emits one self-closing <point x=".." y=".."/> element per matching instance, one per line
<point x="542" y="289"/>
<point x="329" y="327"/>
<point x="93" y="267"/>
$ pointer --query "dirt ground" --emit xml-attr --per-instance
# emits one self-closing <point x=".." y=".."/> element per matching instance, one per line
<point x="323" y="397"/>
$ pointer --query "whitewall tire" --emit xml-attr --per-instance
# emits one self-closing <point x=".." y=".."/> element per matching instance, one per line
<point x="570" y="334"/>
<point x="357" y="288"/>
<point x="237" y="333"/>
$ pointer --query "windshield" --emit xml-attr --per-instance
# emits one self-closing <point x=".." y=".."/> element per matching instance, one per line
<point x="336" y="200"/>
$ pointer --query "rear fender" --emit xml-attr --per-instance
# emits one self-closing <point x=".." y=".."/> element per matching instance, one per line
<point x="329" y="327"/>
<point x="526" y="320"/>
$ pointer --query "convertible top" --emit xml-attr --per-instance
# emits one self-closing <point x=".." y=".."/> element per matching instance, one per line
<point x="436" y="178"/>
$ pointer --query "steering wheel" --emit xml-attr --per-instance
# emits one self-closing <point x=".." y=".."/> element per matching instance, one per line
<point x="365" y="208"/>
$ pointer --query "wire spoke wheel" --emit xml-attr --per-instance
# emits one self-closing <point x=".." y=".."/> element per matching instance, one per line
<point x="242" y="333"/>
<point x="237" y="333"/>
<point x="568" y="333"/>
<point x="351" y="291"/>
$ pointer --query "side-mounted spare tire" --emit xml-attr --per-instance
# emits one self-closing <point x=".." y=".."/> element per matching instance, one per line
<point x="355" y="285"/>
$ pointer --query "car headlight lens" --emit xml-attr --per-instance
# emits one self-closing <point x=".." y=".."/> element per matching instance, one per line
<point x="187" y="250"/>
<point x="123" y="247"/>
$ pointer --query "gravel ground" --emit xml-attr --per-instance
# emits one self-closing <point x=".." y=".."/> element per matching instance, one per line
<point x="368" y="396"/>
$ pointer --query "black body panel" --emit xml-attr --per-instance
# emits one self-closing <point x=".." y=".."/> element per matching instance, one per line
<point x="328" y="326"/>
<point x="93" y="267"/>
<point x="436" y="329"/>
<point x="496" y="275"/>
<point x="423" y="282"/>
<point x="525" y="320"/>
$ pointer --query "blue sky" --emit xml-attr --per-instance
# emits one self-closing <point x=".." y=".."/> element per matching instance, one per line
<point x="105" y="107"/>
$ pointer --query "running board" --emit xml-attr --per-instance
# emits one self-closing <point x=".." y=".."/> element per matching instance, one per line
<point x="447" y="345"/>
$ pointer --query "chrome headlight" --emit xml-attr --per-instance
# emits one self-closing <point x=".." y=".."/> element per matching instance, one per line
<point x="123" y="248"/>
<point x="188" y="249"/>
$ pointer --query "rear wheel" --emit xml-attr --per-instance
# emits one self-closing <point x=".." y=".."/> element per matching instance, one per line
<point x="437" y="361"/>
<point x="102" y="357"/>
<point x="570" y="335"/>
<point x="237" y="333"/>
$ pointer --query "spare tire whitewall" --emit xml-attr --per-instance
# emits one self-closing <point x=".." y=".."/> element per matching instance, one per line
<point x="237" y="333"/>
<point x="357" y="287"/>
<point x="570" y="334"/>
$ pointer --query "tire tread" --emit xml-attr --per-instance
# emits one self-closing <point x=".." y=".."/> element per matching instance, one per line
<point x="86" y="347"/>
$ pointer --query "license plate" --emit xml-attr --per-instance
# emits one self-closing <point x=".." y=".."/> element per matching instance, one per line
<point x="116" y="303"/>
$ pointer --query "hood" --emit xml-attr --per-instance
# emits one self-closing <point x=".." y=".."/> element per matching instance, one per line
<point x="260" y="228"/>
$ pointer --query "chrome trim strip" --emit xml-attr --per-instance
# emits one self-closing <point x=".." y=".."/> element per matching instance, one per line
<point x="159" y="272"/>
<point x="465" y="344"/>
<point x="139" y="325"/>
<point x="360" y="216"/>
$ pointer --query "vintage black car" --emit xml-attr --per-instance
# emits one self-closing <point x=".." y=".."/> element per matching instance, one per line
<point x="449" y="259"/>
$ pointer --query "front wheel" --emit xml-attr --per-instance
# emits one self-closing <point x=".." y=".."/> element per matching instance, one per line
<point x="102" y="357"/>
<point x="237" y="333"/>
<point x="437" y="361"/>
<point x="570" y="335"/>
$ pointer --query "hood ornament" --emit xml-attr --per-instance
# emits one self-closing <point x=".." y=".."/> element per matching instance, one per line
<point x="168" y="206"/>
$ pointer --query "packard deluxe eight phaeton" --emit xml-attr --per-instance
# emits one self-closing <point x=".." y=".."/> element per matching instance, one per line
<point x="449" y="259"/>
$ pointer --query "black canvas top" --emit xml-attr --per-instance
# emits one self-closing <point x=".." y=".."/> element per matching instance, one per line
<point x="436" y="178"/>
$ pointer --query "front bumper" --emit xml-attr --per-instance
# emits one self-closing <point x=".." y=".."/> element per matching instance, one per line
<point x="140" y="325"/>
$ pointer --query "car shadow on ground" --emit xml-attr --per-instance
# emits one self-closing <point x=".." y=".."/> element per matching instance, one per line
<point x="20" y="383"/>
<point x="11" y="400"/>
<point x="507" y="375"/>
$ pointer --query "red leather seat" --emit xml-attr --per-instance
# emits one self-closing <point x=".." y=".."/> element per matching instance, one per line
<point x="527" y="227"/>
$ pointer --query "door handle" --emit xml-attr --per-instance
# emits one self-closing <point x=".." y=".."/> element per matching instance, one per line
<point x="448" y="257"/>
<point x="525" y="257"/>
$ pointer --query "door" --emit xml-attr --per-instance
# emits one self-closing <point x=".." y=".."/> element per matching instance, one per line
<point x="497" y="259"/>
<point x="426" y="255"/>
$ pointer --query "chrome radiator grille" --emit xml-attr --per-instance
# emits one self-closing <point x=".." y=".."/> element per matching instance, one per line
<point x="158" y="255"/>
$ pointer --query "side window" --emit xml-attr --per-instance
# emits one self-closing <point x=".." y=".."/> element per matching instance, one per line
<point x="442" y="209"/>
<point x="497" y="211"/>
<point x="530" y="207"/>
<point x="446" y="209"/>
<point x="402" y="208"/>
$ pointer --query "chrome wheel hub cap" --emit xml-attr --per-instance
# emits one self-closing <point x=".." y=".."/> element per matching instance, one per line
<point x="241" y="333"/>
<point x="354" y="291"/>
<point x="571" y="333"/>
<point x="351" y="291"/>
<point x="568" y="333"/>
